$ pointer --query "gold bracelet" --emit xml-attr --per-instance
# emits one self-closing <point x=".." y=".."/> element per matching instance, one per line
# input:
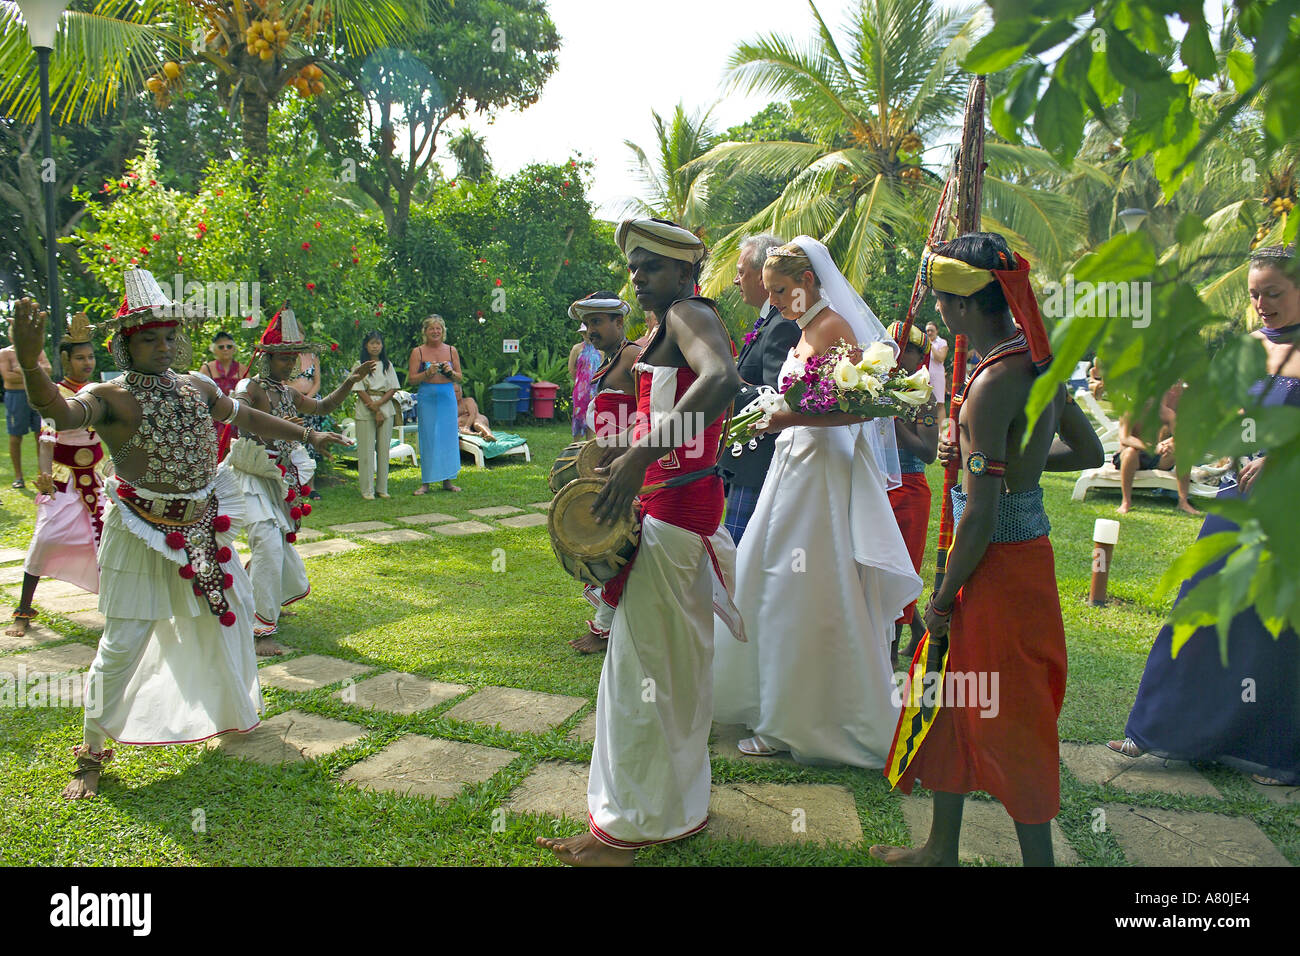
<point x="306" y="434"/>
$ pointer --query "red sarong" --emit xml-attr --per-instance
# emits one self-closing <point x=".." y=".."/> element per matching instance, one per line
<point x="1006" y="621"/>
<point x="911" y="504"/>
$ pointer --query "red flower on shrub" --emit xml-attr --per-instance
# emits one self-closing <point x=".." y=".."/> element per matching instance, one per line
<point x="311" y="287"/>
<point x="334" y="346"/>
<point x="155" y="237"/>
<point x="306" y="245"/>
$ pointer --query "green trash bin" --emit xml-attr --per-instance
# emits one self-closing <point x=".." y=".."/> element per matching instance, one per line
<point x="505" y="401"/>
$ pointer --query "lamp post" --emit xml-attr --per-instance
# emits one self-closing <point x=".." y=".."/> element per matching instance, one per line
<point x="1132" y="219"/>
<point x="42" y="18"/>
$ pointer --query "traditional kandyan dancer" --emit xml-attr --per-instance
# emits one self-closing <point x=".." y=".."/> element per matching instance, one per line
<point x="650" y="776"/>
<point x="70" y="489"/>
<point x="273" y="474"/>
<point x="175" y="662"/>
<point x="999" y="599"/>
<point x="918" y="444"/>
<point x="609" y="413"/>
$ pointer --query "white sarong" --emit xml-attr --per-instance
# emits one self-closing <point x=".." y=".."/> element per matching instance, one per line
<point x="650" y="777"/>
<point x="166" y="671"/>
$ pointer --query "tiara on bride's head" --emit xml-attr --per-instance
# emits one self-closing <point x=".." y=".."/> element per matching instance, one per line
<point x="789" y="250"/>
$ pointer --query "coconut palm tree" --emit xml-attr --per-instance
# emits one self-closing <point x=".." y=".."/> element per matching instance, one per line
<point x="675" y="192"/>
<point x="874" y="105"/>
<point x="255" y="48"/>
<point x="472" y="160"/>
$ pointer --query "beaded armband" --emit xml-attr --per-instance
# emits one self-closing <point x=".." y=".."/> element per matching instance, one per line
<point x="980" y="464"/>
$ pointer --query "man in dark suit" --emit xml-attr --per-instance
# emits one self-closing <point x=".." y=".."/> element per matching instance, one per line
<point x="759" y="363"/>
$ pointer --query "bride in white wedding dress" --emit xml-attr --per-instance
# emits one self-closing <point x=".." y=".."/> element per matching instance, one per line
<point x="822" y="571"/>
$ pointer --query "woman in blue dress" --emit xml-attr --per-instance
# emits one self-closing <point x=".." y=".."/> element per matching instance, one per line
<point x="434" y="370"/>
<point x="1245" y="715"/>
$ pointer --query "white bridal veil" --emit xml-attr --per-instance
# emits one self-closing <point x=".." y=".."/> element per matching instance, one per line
<point x="844" y="299"/>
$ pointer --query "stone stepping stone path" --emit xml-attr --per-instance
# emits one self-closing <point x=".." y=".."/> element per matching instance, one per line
<point x="90" y="620"/>
<point x="37" y="634"/>
<point x="523" y="521"/>
<point x="586" y="729"/>
<point x="314" y="549"/>
<point x="515" y="710"/>
<point x="13" y="574"/>
<point x="48" y="660"/>
<point x="1098" y="764"/>
<point x="1287" y="796"/>
<point x="723" y="740"/>
<point x="67" y="604"/>
<point x="541" y="505"/>
<point x="309" y="534"/>
<point x="310" y="672"/>
<point x="432" y="517"/>
<point x="463" y="527"/>
<point x="51" y="588"/>
<point x="776" y="814"/>
<point x="398" y="693"/>
<point x="9" y="555"/>
<point x="987" y="832"/>
<point x="418" y="766"/>
<point x="496" y="511"/>
<point x="1151" y="837"/>
<point x="358" y="527"/>
<point x="396" y="536"/>
<point x="291" y="737"/>
<point x="553" y="788"/>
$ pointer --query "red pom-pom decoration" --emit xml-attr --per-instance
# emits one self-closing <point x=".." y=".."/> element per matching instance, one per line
<point x="291" y="537"/>
<point x="228" y="581"/>
<point x="221" y="523"/>
<point x="290" y="495"/>
<point x="295" y="513"/>
<point x="175" y="540"/>
<point x="198" y="591"/>
<point x="306" y="509"/>
<point x="304" y="489"/>
<point x="281" y="467"/>
<point x="187" y="571"/>
<point x="224" y="555"/>
<point x="227" y="619"/>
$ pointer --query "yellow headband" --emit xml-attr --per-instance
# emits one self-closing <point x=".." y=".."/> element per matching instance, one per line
<point x="952" y="275"/>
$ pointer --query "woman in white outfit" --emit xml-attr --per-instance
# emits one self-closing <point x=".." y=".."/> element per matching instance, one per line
<point x="823" y="571"/>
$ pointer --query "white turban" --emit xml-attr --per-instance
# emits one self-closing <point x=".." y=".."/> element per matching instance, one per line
<point x="663" y="239"/>
<point x="584" y="307"/>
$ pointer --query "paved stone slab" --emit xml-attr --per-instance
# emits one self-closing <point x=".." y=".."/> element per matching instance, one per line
<point x="986" y="832"/>
<point x="359" y="526"/>
<point x="586" y="729"/>
<point x="432" y="517"/>
<point x="90" y="620"/>
<point x="554" y="788"/>
<point x="37" y="634"/>
<point x="49" y="660"/>
<point x="1098" y="764"/>
<point x="1151" y="837"/>
<point x="463" y="527"/>
<point x="541" y="505"/>
<point x="519" y="711"/>
<point x="308" y="673"/>
<point x="782" y="813"/>
<point x="426" y="767"/>
<point x="523" y="521"/>
<point x="47" y="587"/>
<point x="398" y="693"/>
<point x="396" y="536"/>
<point x="495" y="511"/>
<point x="723" y="740"/>
<point x="67" y="604"/>
<point x="9" y="555"/>
<point x="309" y="534"/>
<point x="314" y="549"/>
<point x="291" y="737"/>
<point x="13" y="574"/>
<point x="1282" y="795"/>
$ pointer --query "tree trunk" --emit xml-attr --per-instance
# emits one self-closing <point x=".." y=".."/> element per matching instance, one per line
<point x="256" y="108"/>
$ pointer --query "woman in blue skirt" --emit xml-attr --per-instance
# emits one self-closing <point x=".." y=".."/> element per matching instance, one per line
<point x="433" y="371"/>
<point x="1245" y="715"/>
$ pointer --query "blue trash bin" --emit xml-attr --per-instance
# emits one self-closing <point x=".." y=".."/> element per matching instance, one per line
<point x="525" y="384"/>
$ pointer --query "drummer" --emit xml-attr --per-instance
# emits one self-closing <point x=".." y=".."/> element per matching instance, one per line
<point x="609" y="414"/>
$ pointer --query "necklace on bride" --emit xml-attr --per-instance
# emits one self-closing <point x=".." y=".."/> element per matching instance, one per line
<point x="812" y="312"/>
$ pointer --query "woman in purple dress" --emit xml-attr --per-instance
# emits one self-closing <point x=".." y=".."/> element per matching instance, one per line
<point x="584" y="358"/>
<point x="1245" y="715"/>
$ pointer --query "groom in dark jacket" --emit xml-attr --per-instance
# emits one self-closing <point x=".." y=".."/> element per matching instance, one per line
<point x="759" y="362"/>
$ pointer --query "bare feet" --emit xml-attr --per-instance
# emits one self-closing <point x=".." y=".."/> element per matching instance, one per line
<point x="84" y="784"/>
<point x="905" y="856"/>
<point x="1186" y="508"/>
<point x="268" y="647"/>
<point x="590" y="642"/>
<point x="383" y="494"/>
<point x="448" y="486"/>
<point x="586" y="850"/>
<point x="285" y="612"/>
<point x="421" y="490"/>
<point x="22" y="618"/>
<point x="1125" y="508"/>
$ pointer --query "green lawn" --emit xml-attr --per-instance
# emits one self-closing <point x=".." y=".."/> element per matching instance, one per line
<point x="439" y="609"/>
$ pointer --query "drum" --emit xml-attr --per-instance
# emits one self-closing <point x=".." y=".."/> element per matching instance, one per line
<point x="593" y="553"/>
<point x="578" y="460"/>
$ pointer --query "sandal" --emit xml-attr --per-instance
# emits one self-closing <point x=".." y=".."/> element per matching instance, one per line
<point x="19" y="484"/>
<point x="1264" y="781"/>
<point x="754" y="747"/>
<point x="1127" y="747"/>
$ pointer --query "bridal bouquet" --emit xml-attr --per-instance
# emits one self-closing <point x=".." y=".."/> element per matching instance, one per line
<point x="846" y="378"/>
